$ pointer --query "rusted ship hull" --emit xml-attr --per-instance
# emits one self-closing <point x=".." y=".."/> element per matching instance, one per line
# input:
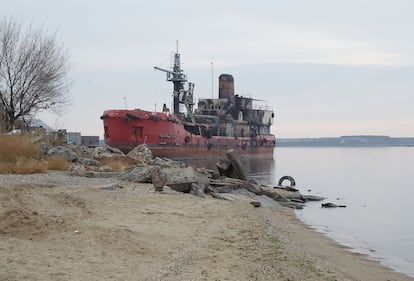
<point x="184" y="151"/>
<point x="216" y="125"/>
<point x="166" y="137"/>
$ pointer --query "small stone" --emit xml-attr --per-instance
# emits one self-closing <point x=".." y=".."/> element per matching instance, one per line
<point x="256" y="204"/>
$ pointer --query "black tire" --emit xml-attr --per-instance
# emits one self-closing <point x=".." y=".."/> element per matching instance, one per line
<point x="187" y="139"/>
<point x="289" y="178"/>
<point x="209" y="146"/>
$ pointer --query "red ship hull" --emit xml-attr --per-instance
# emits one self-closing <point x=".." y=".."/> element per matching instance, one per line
<point x="166" y="136"/>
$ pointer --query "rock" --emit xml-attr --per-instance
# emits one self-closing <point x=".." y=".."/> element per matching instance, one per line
<point x="61" y="151"/>
<point x="158" y="180"/>
<point x="223" y="166"/>
<point x="231" y="167"/>
<point x="44" y="148"/>
<point x="141" y="174"/>
<point x="101" y="152"/>
<point x="88" y="161"/>
<point x="114" y="150"/>
<point x="93" y="174"/>
<point x="237" y="170"/>
<point x="105" y="169"/>
<point x="313" y="198"/>
<point x="221" y="196"/>
<point x="78" y="170"/>
<point x="84" y="151"/>
<point x="332" y="205"/>
<point x="198" y="189"/>
<point x="211" y="174"/>
<point x="256" y="204"/>
<point x="111" y="187"/>
<point x="180" y="179"/>
<point x="276" y="196"/>
<point x="244" y="195"/>
<point x="229" y="184"/>
<point x="291" y="194"/>
<point x="167" y="163"/>
<point x="141" y="152"/>
<point x="292" y="189"/>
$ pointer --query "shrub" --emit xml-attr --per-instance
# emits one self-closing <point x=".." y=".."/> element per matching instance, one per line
<point x="19" y="155"/>
<point x="30" y="166"/>
<point x="6" y="168"/>
<point x="18" y="148"/>
<point x="58" y="164"/>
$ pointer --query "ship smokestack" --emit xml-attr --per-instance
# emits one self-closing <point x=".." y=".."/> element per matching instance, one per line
<point x="226" y="87"/>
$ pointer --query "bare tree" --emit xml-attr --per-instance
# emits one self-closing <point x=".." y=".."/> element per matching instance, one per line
<point x="33" y="74"/>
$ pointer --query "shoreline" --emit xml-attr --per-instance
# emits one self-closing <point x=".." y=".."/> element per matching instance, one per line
<point x="59" y="227"/>
<point x="328" y="253"/>
<point x="383" y="260"/>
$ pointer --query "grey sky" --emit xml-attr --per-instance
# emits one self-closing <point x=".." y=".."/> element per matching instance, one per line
<point x="328" y="68"/>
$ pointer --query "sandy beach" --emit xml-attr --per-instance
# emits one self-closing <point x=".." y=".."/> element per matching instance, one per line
<point x="59" y="227"/>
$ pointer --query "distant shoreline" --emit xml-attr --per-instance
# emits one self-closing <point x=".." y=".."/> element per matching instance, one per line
<point x="347" y="141"/>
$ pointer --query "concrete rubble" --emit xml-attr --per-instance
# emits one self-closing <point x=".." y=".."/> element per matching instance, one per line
<point x="229" y="182"/>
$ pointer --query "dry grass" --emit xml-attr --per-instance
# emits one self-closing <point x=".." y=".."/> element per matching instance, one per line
<point x="116" y="164"/>
<point x="6" y="168"/>
<point x="17" y="148"/>
<point x="18" y="155"/>
<point x="30" y="166"/>
<point x="58" y="164"/>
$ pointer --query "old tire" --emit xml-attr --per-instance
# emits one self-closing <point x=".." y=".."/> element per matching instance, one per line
<point x="288" y="178"/>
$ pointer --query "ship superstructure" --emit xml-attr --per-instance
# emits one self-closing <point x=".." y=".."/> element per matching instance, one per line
<point x="217" y="124"/>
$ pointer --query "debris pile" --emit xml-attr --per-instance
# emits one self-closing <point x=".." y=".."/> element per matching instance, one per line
<point x="229" y="182"/>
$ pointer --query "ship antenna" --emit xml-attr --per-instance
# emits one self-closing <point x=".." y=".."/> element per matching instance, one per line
<point x="176" y="42"/>
<point x="212" y="77"/>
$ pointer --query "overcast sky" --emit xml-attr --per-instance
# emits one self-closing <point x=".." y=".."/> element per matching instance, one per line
<point x="328" y="68"/>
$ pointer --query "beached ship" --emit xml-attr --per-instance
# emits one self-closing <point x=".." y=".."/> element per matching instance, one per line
<point x="211" y="128"/>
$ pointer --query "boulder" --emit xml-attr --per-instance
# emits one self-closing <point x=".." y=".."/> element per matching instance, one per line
<point x="88" y="161"/>
<point x="231" y="167"/>
<point x="141" y="174"/>
<point x="198" y="189"/>
<point x="229" y="184"/>
<point x="158" y="180"/>
<point x="84" y="151"/>
<point x="181" y="179"/>
<point x="211" y="174"/>
<point x="107" y="151"/>
<point x="61" y="151"/>
<point x="141" y="152"/>
<point x="78" y="170"/>
<point x="167" y="163"/>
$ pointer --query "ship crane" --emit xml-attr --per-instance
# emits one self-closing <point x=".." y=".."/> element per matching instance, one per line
<point x="178" y="78"/>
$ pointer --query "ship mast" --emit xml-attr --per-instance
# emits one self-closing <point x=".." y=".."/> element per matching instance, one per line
<point x="178" y="78"/>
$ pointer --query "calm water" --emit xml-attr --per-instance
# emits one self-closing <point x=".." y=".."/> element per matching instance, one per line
<point x="376" y="185"/>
